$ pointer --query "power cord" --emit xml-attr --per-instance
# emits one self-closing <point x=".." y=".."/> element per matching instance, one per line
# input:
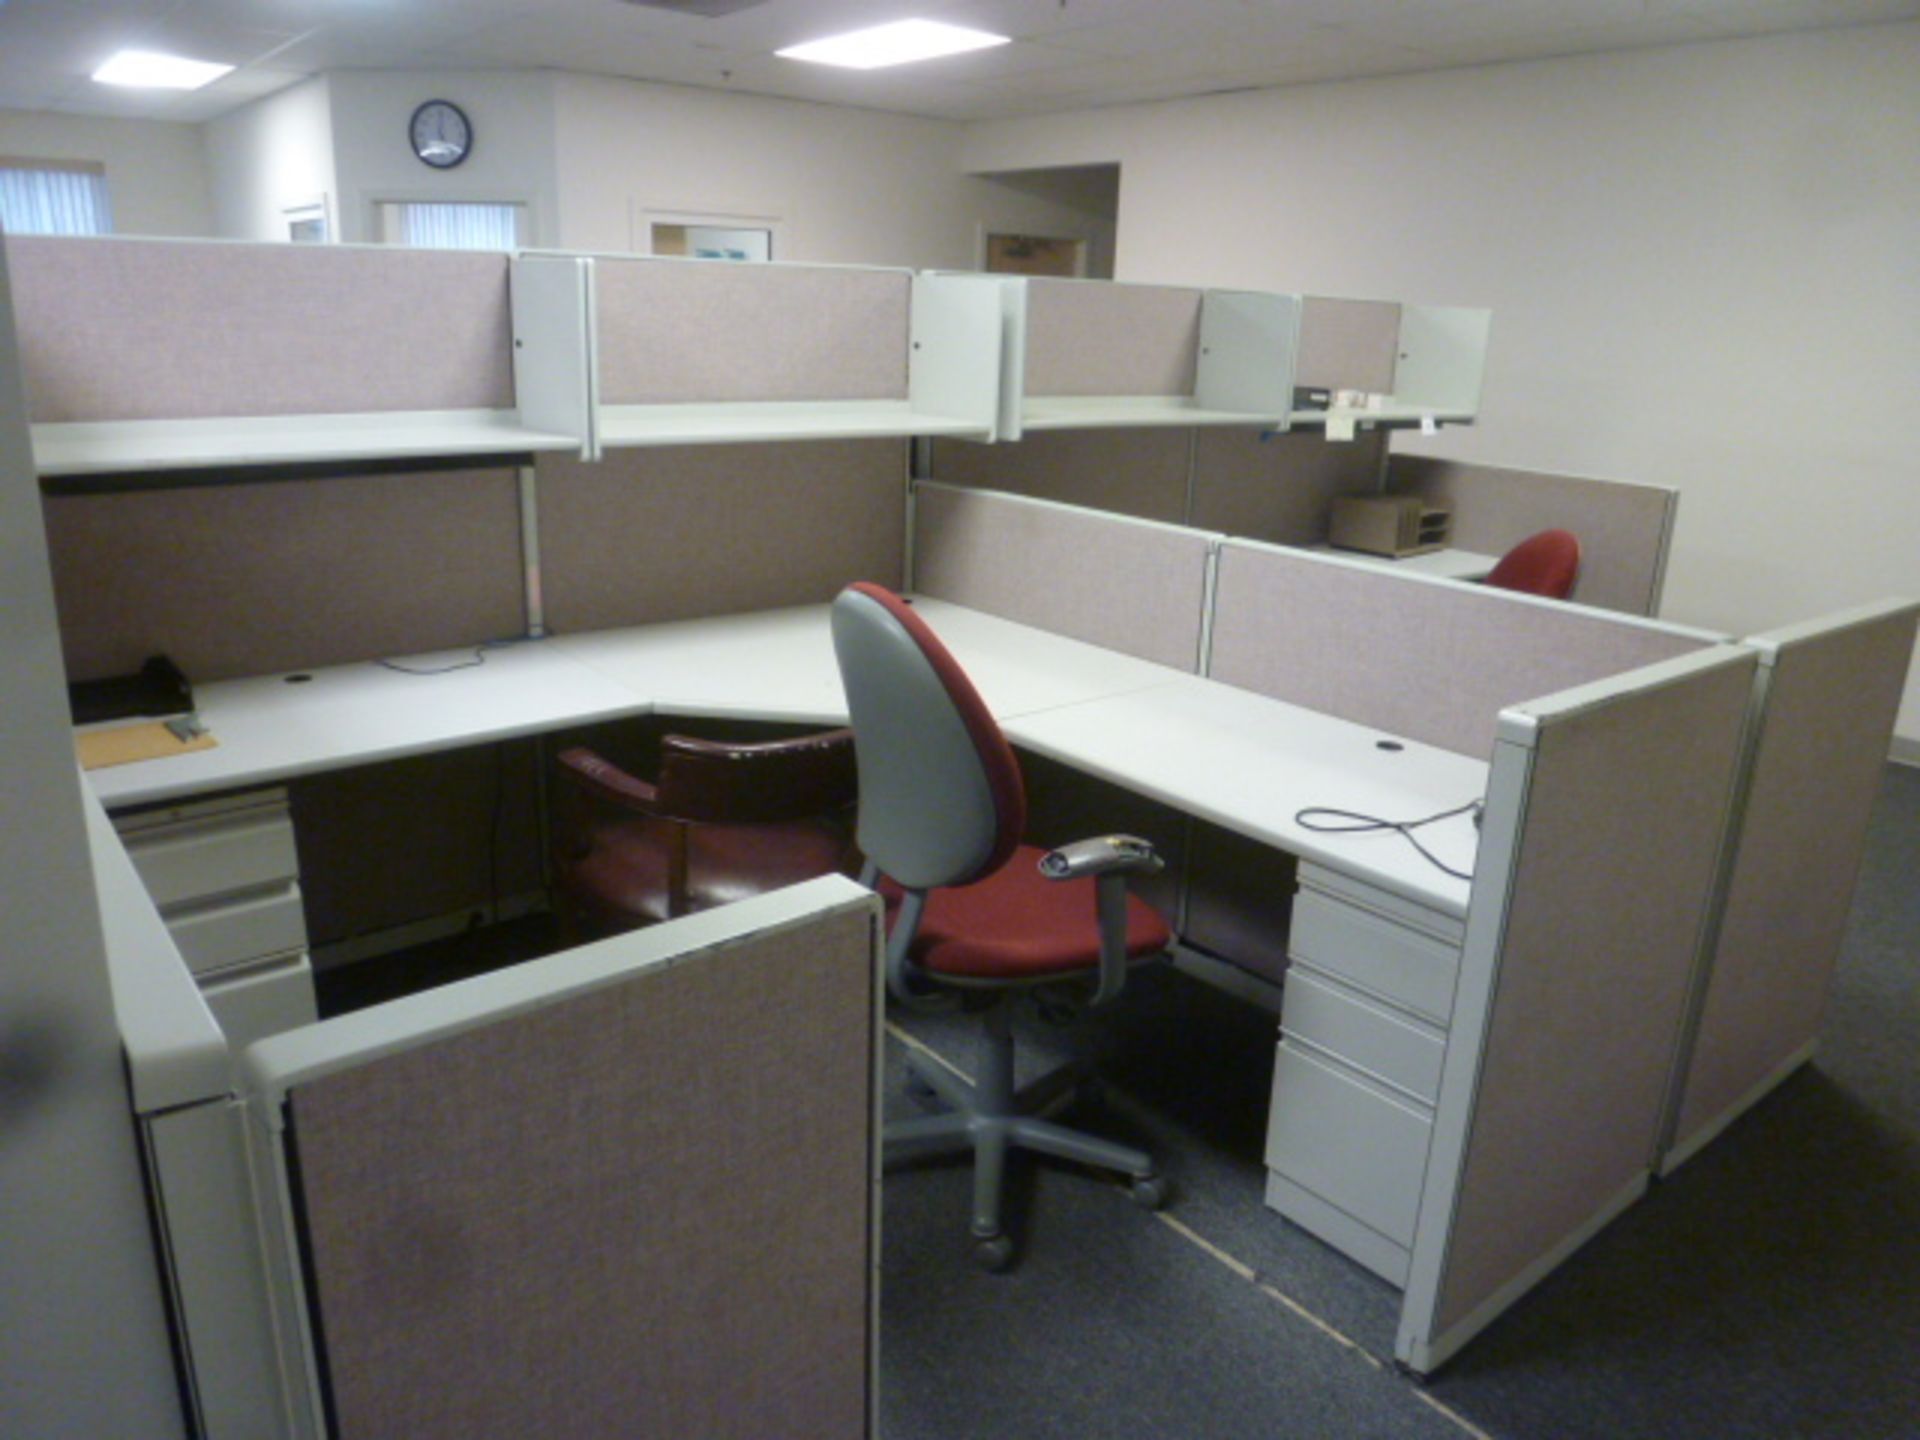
<point x="479" y="659"/>
<point x="1353" y="823"/>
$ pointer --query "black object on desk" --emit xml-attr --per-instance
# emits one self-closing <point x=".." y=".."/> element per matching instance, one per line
<point x="156" y="688"/>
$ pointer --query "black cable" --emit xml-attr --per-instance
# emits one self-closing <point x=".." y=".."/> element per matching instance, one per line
<point x="479" y="659"/>
<point x="1356" y="824"/>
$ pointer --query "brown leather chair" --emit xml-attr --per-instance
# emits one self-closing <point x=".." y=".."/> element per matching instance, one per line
<point x="722" y="822"/>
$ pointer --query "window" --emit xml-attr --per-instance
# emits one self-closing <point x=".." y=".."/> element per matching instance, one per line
<point x="713" y="242"/>
<point x="451" y="226"/>
<point x="54" y="197"/>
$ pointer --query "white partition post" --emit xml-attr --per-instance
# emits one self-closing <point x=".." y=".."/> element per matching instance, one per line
<point x="1248" y="343"/>
<point x="1443" y="357"/>
<point x="553" y="351"/>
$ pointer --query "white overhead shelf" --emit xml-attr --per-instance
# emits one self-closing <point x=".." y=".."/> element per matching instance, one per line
<point x="130" y="447"/>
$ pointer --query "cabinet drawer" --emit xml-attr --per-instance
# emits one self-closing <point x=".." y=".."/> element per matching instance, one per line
<point x="217" y="855"/>
<point x="1375" y="954"/>
<point x="238" y="928"/>
<point x="1351" y="1143"/>
<point x="256" y="1001"/>
<point x="1385" y="1045"/>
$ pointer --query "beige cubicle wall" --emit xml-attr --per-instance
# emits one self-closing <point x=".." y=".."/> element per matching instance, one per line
<point x="1606" y="808"/>
<point x="596" y="1195"/>
<point x="232" y="580"/>
<point x="1624" y="529"/>
<point x="673" y="532"/>
<point x="1348" y="344"/>
<point x="1136" y="586"/>
<point x="1825" y="704"/>
<point x="700" y="331"/>
<point x="114" y="330"/>
<point x="1426" y="659"/>
<point x="1089" y="338"/>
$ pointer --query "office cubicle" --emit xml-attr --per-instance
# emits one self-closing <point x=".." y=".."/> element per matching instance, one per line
<point x="666" y="532"/>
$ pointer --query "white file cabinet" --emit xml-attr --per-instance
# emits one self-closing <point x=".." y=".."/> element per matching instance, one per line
<point x="1363" y="1031"/>
<point x="226" y="879"/>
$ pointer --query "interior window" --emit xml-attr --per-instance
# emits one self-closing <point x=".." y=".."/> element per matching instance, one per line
<point x="451" y="226"/>
<point x="61" y="197"/>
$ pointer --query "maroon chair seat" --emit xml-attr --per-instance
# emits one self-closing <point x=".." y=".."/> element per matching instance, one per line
<point x="1545" y="564"/>
<point x="722" y="822"/>
<point x="1012" y="927"/>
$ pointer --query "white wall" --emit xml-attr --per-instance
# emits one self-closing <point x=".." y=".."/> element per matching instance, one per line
<point x="269" y="156"/>
<point x="156" y="170"/>
<point x="513" y="145"/>
<point x="847" y="186"/>
<point x="1703" y="263"/>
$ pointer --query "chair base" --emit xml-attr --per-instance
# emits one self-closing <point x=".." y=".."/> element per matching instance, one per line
<point x="989" y="1117"/>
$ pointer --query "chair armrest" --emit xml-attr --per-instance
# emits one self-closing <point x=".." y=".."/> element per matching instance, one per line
<point x="604" y="780"/>
<point x="1107" y="854"/>
<point x="1107" y="860"/>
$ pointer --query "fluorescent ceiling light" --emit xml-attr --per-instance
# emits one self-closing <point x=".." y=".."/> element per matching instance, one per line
<point x="151" y="70"/>
<point x="900" y="43"/>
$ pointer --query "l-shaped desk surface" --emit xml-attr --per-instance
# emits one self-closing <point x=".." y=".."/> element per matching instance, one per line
<point x="1237" y="759"/>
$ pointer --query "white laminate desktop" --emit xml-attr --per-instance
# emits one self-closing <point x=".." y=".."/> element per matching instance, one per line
<point x="779" y="664"/>
<point x="1250" y="764"/>
<point x="273" y="727"/>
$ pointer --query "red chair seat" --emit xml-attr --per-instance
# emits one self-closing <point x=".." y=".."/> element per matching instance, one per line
<point x="1018" y="925"/>
<point x="623" y="877"/>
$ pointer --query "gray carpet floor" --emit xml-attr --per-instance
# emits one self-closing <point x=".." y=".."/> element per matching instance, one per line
<point x="1770" y="1288"/>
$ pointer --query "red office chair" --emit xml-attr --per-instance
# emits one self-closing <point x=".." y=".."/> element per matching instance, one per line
<point x="723" y="821"/>
<point x="1544" y="564"/>
<point x="975" y="913"/>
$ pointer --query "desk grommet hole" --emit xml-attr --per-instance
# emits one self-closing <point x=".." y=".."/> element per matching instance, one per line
<point x="1388" y="745"/>
<point x="299" y="679"/>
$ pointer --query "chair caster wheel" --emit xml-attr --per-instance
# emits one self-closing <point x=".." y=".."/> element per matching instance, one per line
<point x="992" y="1253"/>
<point x="1150" y="1192"/>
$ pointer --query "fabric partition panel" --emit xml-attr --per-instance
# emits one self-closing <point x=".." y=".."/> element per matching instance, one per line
<point x="1828" y="695"/>
<point x="1440" y="659"/>
<point x="1348" y="344"/>
<point x="1278" y="487"/>
<point x="1130" y="585"/>
<point x="599" y="1195"/>
<point x="1087" y="337"/>
<point x="250" y="579"/>
<point x="672" y="331"/>
<point x="1138" y="472"/>
<point x="183" y="329"/>
<point x="1605" y="811"/>
<point x="1624" y="529"/>
<point x="678" y="532"/>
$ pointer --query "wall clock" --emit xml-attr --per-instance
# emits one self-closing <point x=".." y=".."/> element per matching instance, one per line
<point x="441" y="134"/>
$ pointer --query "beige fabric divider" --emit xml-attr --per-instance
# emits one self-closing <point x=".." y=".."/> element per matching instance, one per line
<point x="252" y="579"/>
<point x="1348" y="344"/>
<point x="1829" y="702"/>
<point x="1130" y="585"/>
<point x="1280" y="487"/>
<point x="705" y="331"/>
<point x="1089" y="337"/>
<point x="1624" y="528"/>
<point x="186" y="329"/>
<point x="676" y="532"/>
<point x="643" y="1210"/>
<point x="1613" y="872"/>
<point x="1428" y="660"/>
<point x="1141" y="472"/>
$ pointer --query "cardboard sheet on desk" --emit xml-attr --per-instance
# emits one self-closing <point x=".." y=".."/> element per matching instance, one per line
<point x="123" y="744"/>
